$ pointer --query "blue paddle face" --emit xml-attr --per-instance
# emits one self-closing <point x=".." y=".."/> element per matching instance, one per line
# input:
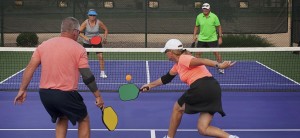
<point x="128" y="92"/>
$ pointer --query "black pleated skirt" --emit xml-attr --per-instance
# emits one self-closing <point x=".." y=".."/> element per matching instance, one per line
<point x="204" y="95"/>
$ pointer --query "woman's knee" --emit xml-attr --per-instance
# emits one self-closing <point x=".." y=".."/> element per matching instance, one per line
<point x="202" y="130"/>
<point x="204" y="122"/>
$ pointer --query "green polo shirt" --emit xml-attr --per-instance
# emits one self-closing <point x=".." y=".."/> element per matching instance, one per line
<point x="207" y="25"/>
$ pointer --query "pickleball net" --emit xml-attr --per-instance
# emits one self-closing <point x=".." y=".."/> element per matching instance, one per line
<point x="260" y="69"/>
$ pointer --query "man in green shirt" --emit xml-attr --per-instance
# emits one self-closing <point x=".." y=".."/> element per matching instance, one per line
<point x="208" y="23"/>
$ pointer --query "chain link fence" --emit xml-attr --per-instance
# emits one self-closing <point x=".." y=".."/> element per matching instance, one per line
<point x="146" y="23"/>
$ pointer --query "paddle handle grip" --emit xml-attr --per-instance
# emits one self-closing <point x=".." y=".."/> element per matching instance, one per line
<point x="147" y="88"/>
<point x="193" y="44"/>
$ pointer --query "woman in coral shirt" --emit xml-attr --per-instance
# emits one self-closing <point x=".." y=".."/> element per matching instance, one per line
<point x="204" y="94"/>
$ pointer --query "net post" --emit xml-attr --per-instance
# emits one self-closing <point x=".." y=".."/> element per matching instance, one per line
<point x="146" y="24"/>
<point x="74" y="9"/>
<point x="290" y="12"/>
<point x="2" y="22"/>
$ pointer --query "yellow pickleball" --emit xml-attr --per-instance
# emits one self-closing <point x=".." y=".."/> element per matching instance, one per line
<point x="128" y="77"/>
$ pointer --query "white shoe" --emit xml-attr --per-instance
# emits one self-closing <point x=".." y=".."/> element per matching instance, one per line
<point x="233" y="136"/>
<point x="221" y="71"/>
<point x="103" y="75"/>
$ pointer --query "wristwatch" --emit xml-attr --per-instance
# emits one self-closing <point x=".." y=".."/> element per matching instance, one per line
<point x="217" y="65"/>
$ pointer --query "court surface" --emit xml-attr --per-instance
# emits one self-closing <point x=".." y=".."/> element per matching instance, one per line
<point x="249" y="115"/>
<point x="252" y="100"/>
<point x="244" y="76"/>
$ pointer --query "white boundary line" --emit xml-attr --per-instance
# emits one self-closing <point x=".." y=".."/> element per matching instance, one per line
<point x="12" y="76"/>
<point x="153" y="130"/>
<point x="152" y="133"/>
<point x="148" y="72"/>
<point x="277" y="72"/>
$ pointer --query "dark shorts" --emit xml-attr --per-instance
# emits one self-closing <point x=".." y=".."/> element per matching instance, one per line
<point x="212" y="44"/>
<point x="93" y="46"/>
<point x="204" y="95"/>
<point x="59" y="103"/>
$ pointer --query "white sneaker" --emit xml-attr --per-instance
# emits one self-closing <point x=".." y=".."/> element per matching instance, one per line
<point x="233" y="136"/>
<point x="166" y="136"/>
<point x="103" y="75"/>
<point x="221" y="71"/>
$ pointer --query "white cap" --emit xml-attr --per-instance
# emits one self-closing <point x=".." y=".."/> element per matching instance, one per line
<point x="206" y="6"/>
<point x="172" y="44"/>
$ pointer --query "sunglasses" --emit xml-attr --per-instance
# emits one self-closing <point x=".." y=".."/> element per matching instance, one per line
<point x="92" y="15"/>
<point x="77" y="31"/>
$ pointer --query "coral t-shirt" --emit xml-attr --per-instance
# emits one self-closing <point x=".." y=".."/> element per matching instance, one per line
<point x="61" y="58"/>
<point x="189" y="74"/>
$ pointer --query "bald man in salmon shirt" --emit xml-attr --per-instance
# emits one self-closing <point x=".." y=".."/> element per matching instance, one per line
<point x="62" y="59"/>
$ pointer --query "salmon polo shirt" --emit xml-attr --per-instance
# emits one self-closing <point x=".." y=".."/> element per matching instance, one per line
<point x="189" y="74"/>
<point x="60" y="58"/>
